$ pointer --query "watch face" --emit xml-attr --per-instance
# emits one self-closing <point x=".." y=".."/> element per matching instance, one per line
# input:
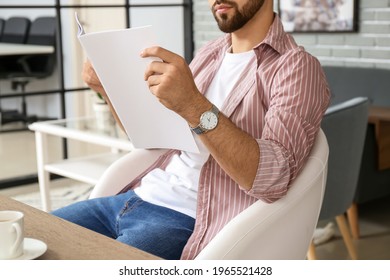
<point x="209" y="120"/>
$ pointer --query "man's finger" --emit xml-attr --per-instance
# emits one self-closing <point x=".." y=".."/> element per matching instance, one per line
<point x="155" y="67"/>
<point x="156" y="51"/>
<point x="153" y="80"/>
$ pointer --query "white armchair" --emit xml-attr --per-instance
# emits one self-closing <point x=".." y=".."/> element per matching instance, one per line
<point x="281" y="230"/>
<point x="123" y="171"/>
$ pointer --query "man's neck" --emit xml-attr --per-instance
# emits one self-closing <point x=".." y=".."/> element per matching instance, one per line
<point x="254" y="31"/>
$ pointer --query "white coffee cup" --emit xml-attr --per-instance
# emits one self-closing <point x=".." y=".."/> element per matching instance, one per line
<point x="11" y="234"/>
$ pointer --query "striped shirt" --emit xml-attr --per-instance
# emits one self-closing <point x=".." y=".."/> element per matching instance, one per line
<point x="280" y="101"/>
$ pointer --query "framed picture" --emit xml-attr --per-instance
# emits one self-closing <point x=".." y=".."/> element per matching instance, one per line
<point x="318" y="15"/>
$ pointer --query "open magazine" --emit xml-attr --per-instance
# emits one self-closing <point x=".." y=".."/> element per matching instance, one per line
<point x="115" y="56"/>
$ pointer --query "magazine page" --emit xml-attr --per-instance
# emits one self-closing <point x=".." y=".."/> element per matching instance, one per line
<point x="115" y="56"/>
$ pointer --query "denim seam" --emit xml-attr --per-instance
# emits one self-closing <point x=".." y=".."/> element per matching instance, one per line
<point x="130" y="205"/>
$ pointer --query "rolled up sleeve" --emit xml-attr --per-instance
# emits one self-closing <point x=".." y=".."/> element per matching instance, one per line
<point x="297" y="102"/>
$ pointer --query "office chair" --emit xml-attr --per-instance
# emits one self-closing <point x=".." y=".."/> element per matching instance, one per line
<point x="16" y="30"/>
<point x="42" y="32"/>
<point x="38" y="66"/>
<point x="2" y="22"/>
<point x="280" y="230"/>
<point x="345" y="127"/>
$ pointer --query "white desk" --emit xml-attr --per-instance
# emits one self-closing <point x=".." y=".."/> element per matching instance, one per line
<point x="85" y="169"/>
<point x="7" y="49"/>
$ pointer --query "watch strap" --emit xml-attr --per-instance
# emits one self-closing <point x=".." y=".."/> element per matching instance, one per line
<point x="198" y="130"/>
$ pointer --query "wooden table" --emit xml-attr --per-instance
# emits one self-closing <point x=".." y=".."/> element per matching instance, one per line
<point x="68" y="241"/>
<point x="380" y="118"/>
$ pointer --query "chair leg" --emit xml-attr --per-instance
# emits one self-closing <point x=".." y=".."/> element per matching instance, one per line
<point x="342" y="224"/>
<point x="353" y="219"/>
<point x="311" y="254"/>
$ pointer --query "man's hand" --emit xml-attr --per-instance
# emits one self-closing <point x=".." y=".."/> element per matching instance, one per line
<point x="171" y="81"/>
<point x="91" y="79"/>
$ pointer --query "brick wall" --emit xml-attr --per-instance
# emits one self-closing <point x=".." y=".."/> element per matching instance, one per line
<point x="369" y="47"/>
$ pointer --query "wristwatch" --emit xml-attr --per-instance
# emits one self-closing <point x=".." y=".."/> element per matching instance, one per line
<point x="208" y="121"/>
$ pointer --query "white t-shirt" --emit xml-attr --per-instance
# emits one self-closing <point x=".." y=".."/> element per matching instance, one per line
<point x="176" y="187"/>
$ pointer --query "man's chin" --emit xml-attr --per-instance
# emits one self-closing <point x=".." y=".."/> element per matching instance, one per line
<point x="226" y="28"/>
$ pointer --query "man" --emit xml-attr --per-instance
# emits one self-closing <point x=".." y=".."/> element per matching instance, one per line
<point x="254" y="100"/>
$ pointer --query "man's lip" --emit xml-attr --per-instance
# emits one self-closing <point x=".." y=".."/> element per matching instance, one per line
<point x="221" y="8"/>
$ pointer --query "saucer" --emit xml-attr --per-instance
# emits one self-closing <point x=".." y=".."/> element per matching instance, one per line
<point x="33" y="248"/>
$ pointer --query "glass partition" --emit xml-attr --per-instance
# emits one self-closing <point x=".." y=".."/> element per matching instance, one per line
<point x="11" y="82"/>
<point x="93" y="19"/>
<point x="170" y="35"/>
<point x="27" y="2"/>
<point x="63" y="94"/>
<point x="95" y="2"/>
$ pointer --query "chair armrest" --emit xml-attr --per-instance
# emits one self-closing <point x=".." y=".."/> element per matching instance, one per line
<point x="283" y="229"/>
<point x="280" y="230"/>
<point x="124" y="170"/>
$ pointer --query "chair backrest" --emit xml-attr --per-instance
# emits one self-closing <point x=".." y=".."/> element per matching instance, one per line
<point x="2" y="22"/>
<point x="282" y="230"/>
<point x="349" y="82"/>
<point x="345" y="127"/>
<point x="43" y="31"/>
<point x="15" y="30"/>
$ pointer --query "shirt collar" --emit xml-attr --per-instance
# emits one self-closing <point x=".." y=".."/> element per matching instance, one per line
<point x="275" y="36"/>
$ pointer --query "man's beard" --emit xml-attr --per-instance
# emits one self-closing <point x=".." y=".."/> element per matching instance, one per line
<point x="240" y="18"/>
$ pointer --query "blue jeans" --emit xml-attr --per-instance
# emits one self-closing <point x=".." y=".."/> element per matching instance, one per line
<point x="128" y="219"/>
